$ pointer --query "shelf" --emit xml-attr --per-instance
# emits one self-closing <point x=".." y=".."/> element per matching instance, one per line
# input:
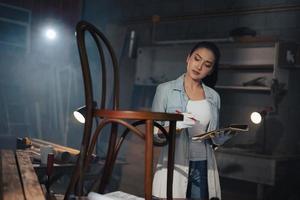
<point x="267" y="67"/>
<point x="244" y="88"/>
<point x="147" y="84"/>
<point x="225" y="87"/>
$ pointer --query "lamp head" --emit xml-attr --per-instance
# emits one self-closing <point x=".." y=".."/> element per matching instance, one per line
<point x="80" y="112"/>
<point x="256" y="117"/>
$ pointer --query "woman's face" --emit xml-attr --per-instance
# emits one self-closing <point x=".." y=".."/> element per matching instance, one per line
<point x="200" y="64"/>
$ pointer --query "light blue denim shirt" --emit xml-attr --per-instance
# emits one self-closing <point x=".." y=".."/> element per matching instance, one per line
<point x="169" y="97"/>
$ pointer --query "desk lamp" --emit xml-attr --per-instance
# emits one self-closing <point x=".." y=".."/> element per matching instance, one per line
<point x="80" y="113"/>
<point x="256" y="118"/>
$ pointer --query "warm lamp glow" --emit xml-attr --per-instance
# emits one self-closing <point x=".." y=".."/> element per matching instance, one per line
<point x="256" y="117"/>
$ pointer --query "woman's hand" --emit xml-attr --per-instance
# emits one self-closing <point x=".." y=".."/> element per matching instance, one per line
<point x="188" y="121"/>
<point x="229" y="133"/>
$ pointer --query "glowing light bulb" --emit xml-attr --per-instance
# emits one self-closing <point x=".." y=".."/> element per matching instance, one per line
<point x="256" y="117"/>
<point x="51" y="34"/>
<point x="79" y="117"/>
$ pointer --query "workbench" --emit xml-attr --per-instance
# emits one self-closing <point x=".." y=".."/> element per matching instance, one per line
<point x="18" y="177"/>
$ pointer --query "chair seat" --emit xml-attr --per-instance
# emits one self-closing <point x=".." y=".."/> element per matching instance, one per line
<point x="137" y="115"/>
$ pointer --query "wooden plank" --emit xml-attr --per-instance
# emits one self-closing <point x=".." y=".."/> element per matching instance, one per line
<point x="31" y="185"/>
<point x="244" y="88"/>
<point x="11" y="187"/>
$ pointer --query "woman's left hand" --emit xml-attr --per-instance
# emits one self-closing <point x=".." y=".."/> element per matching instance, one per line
<point x="229" y="133"/>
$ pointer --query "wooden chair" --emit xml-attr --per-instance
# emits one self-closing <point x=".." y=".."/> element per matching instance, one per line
<point x="115" y="117"/>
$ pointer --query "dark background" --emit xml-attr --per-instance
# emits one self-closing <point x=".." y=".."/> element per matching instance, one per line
<point x="41" y="83"/>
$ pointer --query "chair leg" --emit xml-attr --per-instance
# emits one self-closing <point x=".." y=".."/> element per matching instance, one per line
<point x="148" y="159"/>
<point x="109" y="163"/>
<point x="171" y="152"/>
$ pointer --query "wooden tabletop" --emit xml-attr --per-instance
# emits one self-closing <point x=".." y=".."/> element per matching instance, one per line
<point x="18" y="178"/>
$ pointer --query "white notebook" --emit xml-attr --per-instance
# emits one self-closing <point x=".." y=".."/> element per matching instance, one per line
<point x="118" y="195"/>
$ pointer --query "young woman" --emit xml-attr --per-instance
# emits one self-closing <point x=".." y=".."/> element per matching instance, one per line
<point x="195" y="170"/>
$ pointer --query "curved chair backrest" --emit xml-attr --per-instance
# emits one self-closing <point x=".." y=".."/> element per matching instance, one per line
<point x="100" y="40"/>
<point x="116" y="117"/>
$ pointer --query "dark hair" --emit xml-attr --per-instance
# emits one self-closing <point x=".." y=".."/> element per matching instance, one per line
<point x="211" y="79"/>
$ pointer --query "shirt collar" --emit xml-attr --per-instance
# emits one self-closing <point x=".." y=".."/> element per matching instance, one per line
<point x="179" y="86"/>
<point x="179" y="83"/>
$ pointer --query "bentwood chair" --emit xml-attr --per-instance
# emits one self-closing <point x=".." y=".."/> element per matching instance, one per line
<point x="115" y="117"/>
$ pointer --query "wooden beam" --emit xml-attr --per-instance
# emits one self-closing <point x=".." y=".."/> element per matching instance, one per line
<point x="31" y="185"/>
